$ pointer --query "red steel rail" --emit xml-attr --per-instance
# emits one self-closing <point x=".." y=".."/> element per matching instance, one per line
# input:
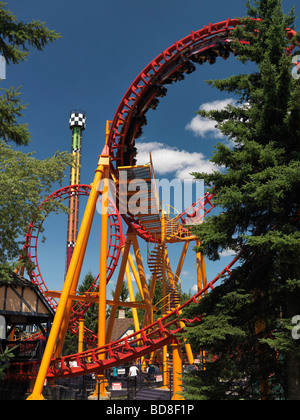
<point x="171" y="65"/>
<point x="152" y="337"/>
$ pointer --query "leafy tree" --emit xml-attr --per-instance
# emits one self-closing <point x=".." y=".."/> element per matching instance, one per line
<point x="15" y="38"/>
<point x="70" y="344"/>
<point x="24" y="182"/>
<point x="246" y="330"/>
<point x="185" y="296"/>
<point x="5" y="357"/>
<point x="24" y="179"/>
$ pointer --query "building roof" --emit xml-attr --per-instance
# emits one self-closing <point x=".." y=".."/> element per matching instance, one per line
<point x="121" y="328"/>
<point x="21" y="300"/>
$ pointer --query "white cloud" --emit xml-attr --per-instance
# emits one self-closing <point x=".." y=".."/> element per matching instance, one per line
<point x="172" y="160"/>
<point x="195" y="288"/>
<point x="217" y="105"/>
<point x="185" y="274"/>
<point x="202" y="127"/>
<point x="228" y="253"/>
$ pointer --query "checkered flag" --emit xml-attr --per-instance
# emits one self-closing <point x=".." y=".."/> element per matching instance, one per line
<point x="77" y="119"/>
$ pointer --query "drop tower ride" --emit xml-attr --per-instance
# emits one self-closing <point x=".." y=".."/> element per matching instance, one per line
<point x="77" y="125"/>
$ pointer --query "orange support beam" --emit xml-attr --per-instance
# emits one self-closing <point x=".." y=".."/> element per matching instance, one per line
<point x="118" y="289"/>
<point x="71" y="280"/>
<point x="103" y="269"/>
<point x="177" y="372"/>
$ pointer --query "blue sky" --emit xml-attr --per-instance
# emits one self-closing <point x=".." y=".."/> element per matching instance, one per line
<point x="104" y="46"/>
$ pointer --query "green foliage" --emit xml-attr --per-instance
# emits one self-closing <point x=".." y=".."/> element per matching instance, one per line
<point x="11" y="109"/>
<point x="16" y="36"/>
<point x="5" y="359"/>
<point x="24" y="180"/>
<point x="124" y="296"/>
<point x="247" y="320"/>
<point x="70" y="344"/>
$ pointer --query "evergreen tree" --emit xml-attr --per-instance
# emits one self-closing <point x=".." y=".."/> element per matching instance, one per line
<point x="16" y="37"/>
<point x="246" y="330"/>
<point x="24" y="180"/>
<point x="124" y="295"/>
<point x="90" y="317"/>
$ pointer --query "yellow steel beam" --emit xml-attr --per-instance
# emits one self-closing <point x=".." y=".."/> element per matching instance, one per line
<point x="136" y="275"/>
<point x="149" y="313"/>
<point x="71" y="281"/>
<point x="177" y="372"/>
<point x="182" y="258"/>
<point x="132" y="298"/>
<point x="103" y="268"/>
<point x="94" y="298"/>
<point x="80" y="335"/>
<point x="118" y="289"/>
<point x="201" y="270"/>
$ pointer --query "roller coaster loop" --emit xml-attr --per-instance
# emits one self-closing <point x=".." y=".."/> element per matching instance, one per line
<point x="208" y="44"/>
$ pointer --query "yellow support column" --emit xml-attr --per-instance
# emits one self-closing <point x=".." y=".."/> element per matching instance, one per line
<point x="188" y="347"/>
<point x="118" y="289"/>
<point x="132" y="299"/>
<point x="136" y="275"/>
<point x="103" y="270"/>
<point x="201" y="270"/>
<point x="65" y="323"/>
<point x="80" y="335"/>
<point x="182" y="258"/>
<point x="149" y="313"/>
<point x="177" y="372"/>
<point x="164" y="293"/>
<point x="166" y="309"/>
<point x="71" y="280"/>
<point x="201" y="283"/>
<point x="134" y="310"/>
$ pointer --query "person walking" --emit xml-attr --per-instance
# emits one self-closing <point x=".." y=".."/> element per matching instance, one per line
<point x="133" y="373"/>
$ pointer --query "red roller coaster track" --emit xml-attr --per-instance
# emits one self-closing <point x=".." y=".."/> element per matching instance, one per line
<point x="113" y="253"/>
<point x="171" y="65"/>
<point x="114" y="249"/>
<point x="141" y="343"/>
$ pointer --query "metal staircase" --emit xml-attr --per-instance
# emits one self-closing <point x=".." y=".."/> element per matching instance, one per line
<point x="139" y="197"/>
<point x="137" y="185"/>
<point x="172" y="297"/>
